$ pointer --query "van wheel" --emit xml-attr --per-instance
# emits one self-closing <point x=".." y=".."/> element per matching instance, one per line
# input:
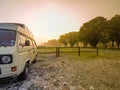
<point x="24" y="74"/>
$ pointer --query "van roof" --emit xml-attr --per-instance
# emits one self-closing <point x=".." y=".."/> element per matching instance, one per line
<point x="16" y="27"/>
<point x="18" y="24"/>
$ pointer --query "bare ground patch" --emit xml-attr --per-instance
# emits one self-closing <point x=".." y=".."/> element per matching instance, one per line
<point x="64" y="73"/>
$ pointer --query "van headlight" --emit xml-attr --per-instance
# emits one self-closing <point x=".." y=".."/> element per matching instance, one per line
<point x="6" y="59"/>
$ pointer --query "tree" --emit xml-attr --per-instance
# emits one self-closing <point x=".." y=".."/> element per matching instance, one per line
<point x="115" y="29"/>
<point x="104" y="34"/>
<point x="73" y="38"/>
<point x="104" y="38"/>
<point x="90" y="32"/>
<point x="83" y="35"/>
<point x="53" y="42"/>
<point x="98" y="26"/>
<point x="63" y="39"/>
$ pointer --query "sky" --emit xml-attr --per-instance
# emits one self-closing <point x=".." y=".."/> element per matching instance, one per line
<point x="48" y="19"/>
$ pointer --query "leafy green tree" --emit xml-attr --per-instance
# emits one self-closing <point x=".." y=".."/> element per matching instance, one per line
<point x="63" y="39"/>
<point x="91" y="31"/>
<point x="73" y="38"/>
<point x="104" y="34"/>
<point x="104" y="38"/>
<point x="83" y="35"/>
<point x="98" y="26"/>
<point x="115" y="29"/>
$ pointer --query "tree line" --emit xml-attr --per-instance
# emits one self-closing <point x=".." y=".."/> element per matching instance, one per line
<point x="96" y="31"/>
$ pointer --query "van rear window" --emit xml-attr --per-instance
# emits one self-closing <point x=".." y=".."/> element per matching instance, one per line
<point x="7" y="37"/>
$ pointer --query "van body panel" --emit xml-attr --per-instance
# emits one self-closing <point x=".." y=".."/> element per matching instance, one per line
<point x="7" y="50"/>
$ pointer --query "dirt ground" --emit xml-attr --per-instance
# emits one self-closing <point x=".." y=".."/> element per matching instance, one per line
<point x="62" y="73"/>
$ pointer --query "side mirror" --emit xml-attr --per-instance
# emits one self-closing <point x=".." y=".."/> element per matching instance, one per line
<point x="27" y="43"/>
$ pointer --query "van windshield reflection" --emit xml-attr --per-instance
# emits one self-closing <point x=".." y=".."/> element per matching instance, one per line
<point x="7" y="37"/>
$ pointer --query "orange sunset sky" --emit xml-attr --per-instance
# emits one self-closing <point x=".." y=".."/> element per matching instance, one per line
<point x="48" y="19"/>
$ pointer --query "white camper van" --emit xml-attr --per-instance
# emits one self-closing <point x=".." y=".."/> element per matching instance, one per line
<point x="17" y="51"/>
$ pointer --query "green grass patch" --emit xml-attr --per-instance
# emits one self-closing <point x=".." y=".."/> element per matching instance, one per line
<point x="85" y="53"/>
<point x="47" y="49"/>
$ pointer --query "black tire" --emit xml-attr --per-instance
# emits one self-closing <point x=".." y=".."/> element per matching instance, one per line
<point x="24" y="74"/>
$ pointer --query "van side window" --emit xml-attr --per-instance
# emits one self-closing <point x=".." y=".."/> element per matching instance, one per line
<point x="22" y="39"/>
<point x="30" y="41"/>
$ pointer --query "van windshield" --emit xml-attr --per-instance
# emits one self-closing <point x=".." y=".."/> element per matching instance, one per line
<point x="7" y="37"/>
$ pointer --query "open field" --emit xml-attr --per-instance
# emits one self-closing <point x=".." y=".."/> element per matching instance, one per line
<point x="63" y="50"/>
<point x="86" y="72"/>
<point x="72" y="72"/>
